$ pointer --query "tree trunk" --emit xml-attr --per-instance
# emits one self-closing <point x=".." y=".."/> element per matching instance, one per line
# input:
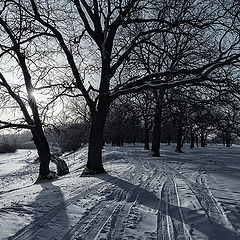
<point x="146" y="135"/>
<point x="43" y="152"/>
<point x="197" y="141"/>
<point x="203" y="140"/>
<point x="157" y="122"/>
<point x="94" y="163"/>
<point x="192" y="140"/>
<point x="228" y="142"/>
<point x="228" y="139"/>
<point x="169" y="141"/>
<point x="156" y="133"/>
<point x="179" y="140"/>
<point x="118" y="141"/>
<point x="134" y="140"/>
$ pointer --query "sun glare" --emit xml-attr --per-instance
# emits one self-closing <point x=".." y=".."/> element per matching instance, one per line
<point x="40" y="96"/>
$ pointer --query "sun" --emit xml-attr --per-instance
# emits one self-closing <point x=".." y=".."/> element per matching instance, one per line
<point x="41" y="96"/>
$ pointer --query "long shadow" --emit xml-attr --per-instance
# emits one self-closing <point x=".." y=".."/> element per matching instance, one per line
<point x="150" y="200"/>
<point x="50" y="219"/>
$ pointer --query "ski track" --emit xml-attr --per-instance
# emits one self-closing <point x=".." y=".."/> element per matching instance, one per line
<point x="111" y="214"/>
<point x="37" y="224"/>
<point x="91" y="224"/>
<point x="214" y="212"/>
<point x="170" y="223"/>
<point x="119" y="220"/>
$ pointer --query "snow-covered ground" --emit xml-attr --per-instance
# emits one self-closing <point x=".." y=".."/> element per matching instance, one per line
<point x="193" y="195"/>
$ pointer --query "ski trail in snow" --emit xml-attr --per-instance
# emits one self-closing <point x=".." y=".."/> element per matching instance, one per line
<point x="92" y="223"/>
<point x="222" y="227"/>
<point x="119" y="219"/>
<point x="170" y="222"/>
<point x="37" y="224"/>
<point x="146" y="198"/>
<point x="111" y="214"/>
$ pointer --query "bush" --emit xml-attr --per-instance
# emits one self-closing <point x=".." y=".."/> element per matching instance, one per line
<point x="7" y="148"/>
<point x="26" y="145"/>
<point x="70" y="137"/>
<point x="69" y="145"/>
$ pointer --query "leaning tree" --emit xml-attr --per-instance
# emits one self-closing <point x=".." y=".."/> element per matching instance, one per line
<point x="15" y="34"/>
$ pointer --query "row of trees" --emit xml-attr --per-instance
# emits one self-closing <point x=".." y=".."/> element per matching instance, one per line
<point x="187" y="115"/>
<point x="97" y="51"/>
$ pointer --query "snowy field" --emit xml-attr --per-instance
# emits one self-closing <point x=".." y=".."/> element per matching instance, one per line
<point x="194" y="195"/>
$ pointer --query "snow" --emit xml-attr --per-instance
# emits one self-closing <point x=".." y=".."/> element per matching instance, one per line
<point x="193" y="195"/>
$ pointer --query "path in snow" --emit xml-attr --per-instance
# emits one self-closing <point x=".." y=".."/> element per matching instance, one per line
<point x="176" y="196"/>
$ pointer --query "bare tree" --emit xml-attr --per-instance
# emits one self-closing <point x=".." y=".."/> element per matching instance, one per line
<point x="110" y="31"/>
<point x="144" y="104"/>
<point x="14" y="30"/>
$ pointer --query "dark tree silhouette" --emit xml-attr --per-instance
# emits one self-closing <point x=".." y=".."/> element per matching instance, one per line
<point x="109" y="32"/>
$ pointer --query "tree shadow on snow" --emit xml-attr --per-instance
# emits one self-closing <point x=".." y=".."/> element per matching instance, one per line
<point x="50" y="219"/>
<point x="150" y="200"/>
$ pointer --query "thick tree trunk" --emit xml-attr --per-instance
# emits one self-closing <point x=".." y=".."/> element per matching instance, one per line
<point x="169" y="141"/>
<point x="94" y="163"/>
<point x="197" y="141"/>
<point x="146" y="135"/>
<point x="43" y="152"/>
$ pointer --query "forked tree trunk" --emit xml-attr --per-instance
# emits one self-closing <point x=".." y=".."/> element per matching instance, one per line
<point x="62" y="167"/>
<point x="45" y="156"/>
